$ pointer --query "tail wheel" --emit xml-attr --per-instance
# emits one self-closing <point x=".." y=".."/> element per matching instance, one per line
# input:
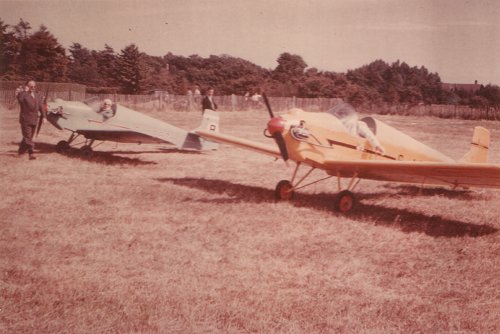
<point x="62" y="146"/>
<point x="284" y="190"/>
<point x="345" y="201"/>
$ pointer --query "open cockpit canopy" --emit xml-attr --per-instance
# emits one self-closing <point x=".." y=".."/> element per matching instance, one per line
<point x="343" y="111"/>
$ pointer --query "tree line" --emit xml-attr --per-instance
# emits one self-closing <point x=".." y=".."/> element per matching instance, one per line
<point x="26" y="53"/>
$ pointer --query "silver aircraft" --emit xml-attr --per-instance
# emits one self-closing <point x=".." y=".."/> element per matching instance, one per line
<point x="124" y="125"/>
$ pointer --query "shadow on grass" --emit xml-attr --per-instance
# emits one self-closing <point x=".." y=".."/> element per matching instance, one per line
<point x="413" y="190"/>
<point x="101" y="157"/>
<point x="403" y="219"/>
<point x="160" y="151"/>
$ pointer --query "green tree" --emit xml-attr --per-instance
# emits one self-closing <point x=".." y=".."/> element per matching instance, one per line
<point x="22" y="29"/>
<point x="82" y="67"/>
<point x="157" y="76"/>
<point x="131" y="70"/>
<point x="491" y="93"/>
<point x="106" y="66"/>
<point x="289" y="73"/>
<point x="10" y="46"/>
<point x="42" y="58"/>
<point x="291" y="65"/>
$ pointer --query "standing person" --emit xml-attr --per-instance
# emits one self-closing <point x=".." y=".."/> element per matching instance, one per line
<point x="256" y="97"/>
<point x="208" y="101"/>
<point x="31" y="104"/>
<point x="197" y="94"/>
<point x="246" y="97"/>
<point x="189" y="100"/>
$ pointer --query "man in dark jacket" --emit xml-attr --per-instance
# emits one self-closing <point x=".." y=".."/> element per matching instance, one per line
<point x="208" y="101"/>
<point x="31" y="104"/>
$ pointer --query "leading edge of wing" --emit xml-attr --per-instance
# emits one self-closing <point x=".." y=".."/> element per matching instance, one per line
<point x="439" y="173"/>
<point x="123" y="136"/>
<point x="240" y="142"/>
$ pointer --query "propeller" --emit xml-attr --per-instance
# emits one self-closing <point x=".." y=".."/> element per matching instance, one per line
<point x="44" y="106"/>
<point x="275" y="127"/>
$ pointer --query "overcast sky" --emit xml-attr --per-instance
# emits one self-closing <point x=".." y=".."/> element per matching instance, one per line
<point x="458" y="39"/>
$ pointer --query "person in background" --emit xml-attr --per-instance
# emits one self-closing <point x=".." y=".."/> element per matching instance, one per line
<point x="189" y="99"/>
<point x="256" y="100"/>
<point x="208" y="101"/>
<point x="197" y="95"/>
<point x="31" y="108"/>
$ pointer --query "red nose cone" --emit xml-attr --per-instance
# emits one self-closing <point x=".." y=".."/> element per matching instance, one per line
<point x="276" y="125"/>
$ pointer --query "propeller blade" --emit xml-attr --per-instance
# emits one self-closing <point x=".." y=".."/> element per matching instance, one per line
<point x="278" y="137"/>
<point x="39" y="125"/>
<point x="45" y="107"/>
<point x="281" y="145"/>
<point x="268" y="105"/>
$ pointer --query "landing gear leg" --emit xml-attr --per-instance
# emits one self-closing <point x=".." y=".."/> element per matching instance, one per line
<point x="64" y="145"/>
<point x="345" y="200"/>
<point x="285" y="189"/>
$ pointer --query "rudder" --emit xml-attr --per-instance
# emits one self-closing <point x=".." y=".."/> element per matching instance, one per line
<point x="210" y="122"/>
<point x="478" y="152"/>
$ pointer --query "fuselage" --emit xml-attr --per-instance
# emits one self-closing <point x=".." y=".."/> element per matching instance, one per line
<point x="122" y="125"/>
<point x="317" y="137"/>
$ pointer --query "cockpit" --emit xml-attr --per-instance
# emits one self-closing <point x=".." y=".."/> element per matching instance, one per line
<point x="348" y="115"/>
<point x="97" y="106"/>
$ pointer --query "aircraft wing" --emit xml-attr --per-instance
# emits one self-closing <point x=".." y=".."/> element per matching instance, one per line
<point x="124" y="136"/>
<point x="271" y="150"/>
<point x="453" y="174"/>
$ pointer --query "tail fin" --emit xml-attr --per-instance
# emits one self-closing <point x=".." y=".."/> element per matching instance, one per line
<point x="478" y="152"/>
<point x="210" y="122"/>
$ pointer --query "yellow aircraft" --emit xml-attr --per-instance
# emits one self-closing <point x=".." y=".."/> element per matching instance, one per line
<point x="345" y="146"/>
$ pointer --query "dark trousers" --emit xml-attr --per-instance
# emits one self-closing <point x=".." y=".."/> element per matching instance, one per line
<point x="27" y="144"/>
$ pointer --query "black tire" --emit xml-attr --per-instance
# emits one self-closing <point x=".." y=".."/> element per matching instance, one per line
<point x="345" y="201"/>
<point x="62" y="146"/>
<point x="284" y="190"/>
<point x="86" y="151"/>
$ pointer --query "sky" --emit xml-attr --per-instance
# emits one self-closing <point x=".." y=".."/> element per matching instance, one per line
<point x="458" y="39"/>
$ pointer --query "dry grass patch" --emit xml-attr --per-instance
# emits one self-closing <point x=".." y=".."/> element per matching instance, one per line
<point x="150" y="239"/>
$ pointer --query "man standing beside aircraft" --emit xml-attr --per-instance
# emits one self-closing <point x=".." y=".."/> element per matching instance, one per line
<point x="208" y="101"/>
<point x="31" y="104"/>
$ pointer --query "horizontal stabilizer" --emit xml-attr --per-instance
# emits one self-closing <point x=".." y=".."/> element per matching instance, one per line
<point x="271" y="150"/>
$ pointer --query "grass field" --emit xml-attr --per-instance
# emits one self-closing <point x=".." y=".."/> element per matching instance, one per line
<point x="147" y="239"/>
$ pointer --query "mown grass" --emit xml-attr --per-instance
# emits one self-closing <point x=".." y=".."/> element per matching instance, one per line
<point x="150" y="239"/>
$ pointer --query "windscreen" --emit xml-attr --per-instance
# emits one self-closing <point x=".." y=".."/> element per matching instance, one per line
<point x="343" y="111"/>
<point x="94" y="102"/>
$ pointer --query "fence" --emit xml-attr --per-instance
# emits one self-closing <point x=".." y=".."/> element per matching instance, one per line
<point x="279" y="104"/>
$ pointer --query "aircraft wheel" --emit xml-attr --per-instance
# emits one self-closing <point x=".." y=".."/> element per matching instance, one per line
<point x="284" y="190"/>
<point x="86" y="151"/>
<point x="62" y="146"/>
<point x="344" y="202"/>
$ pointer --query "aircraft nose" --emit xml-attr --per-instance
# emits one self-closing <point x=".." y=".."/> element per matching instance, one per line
<point x="276" y="125"/>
